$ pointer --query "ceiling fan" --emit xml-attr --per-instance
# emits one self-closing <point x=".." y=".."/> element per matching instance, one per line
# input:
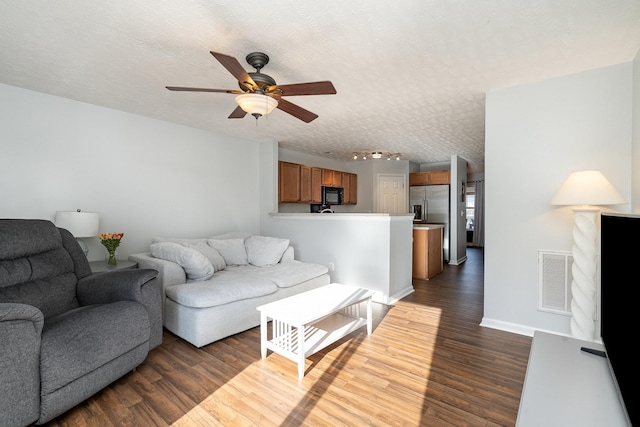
<point x="259" y="94"/>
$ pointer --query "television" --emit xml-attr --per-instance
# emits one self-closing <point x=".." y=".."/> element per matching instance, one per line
<point x="619" y="253"/>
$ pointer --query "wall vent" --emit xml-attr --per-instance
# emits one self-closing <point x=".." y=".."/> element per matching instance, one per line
<point x="554" y="282"/>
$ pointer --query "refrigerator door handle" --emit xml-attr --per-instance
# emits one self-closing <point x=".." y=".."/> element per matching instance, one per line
<point x="426" y="210"/>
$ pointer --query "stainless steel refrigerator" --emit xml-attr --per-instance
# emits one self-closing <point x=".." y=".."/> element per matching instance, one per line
<point x="430" y="205"/>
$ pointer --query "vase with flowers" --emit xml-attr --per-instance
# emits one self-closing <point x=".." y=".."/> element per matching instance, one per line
<point x="111" y="241"/>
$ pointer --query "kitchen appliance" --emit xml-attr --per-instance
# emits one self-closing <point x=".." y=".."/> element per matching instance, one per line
<point x="321" y="209"/>
<point x="430" y="205"/>
<point x="332" y="195"/>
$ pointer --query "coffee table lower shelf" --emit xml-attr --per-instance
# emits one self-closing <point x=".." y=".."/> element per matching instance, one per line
<point x="287" y="341"/>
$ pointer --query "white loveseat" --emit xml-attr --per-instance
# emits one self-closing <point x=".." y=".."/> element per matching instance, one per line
<point x="212" y="286"/>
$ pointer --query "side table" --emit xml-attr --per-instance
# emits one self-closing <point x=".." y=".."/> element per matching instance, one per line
<point x="100" y="266"/>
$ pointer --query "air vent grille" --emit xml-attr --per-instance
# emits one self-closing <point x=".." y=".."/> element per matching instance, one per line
<point x="554" y="281"/>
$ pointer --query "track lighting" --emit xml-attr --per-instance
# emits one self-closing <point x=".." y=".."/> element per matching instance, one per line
<point x="376" y="155"/>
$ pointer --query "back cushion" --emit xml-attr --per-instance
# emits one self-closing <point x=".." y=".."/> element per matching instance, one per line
<point x="232" y="250"/>
<point x="194" y="263"/>
<point x="264" y="251"/>
<point x="35" y="268"/>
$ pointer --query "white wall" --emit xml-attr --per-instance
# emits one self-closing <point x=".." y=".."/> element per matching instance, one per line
<point x="145" y="177"/>
<point x="458" y="212"/>
<point x="371" y="251"/>
<point x="536" y="135"/>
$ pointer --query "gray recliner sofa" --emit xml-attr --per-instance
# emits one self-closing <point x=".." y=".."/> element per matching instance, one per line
<point x="66" y="333"/>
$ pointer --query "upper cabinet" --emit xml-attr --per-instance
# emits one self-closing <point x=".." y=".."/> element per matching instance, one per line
<point x="430" y="178"/>
<point x="350" y="185"/>
<point x="303" y="183"/>
<point x="288" y="182"/>
<point x="331" y="178"/>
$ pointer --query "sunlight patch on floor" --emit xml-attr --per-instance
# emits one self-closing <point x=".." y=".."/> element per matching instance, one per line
<point x="344" y="375"/>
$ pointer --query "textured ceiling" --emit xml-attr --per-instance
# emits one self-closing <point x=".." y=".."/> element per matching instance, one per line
<point x="411" y="76"/>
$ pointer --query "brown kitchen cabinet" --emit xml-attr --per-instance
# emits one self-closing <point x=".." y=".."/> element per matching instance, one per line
<point x="303" y="183"/>
<point x="427" y="252"/>
<point x="288" y="182"/>
<point x="331" y="178"/>
<point x="430" y="178"/>
<point x="350" y="191"/>
<point x="316" y="185"/>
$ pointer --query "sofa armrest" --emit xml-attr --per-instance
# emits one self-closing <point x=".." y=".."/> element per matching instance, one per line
<point x="112" y="286"/>
<point x="20" y="335"/>
<point x="169" y="272"/>
<point x="141" y="285"/>
<point x="287" y="255"/>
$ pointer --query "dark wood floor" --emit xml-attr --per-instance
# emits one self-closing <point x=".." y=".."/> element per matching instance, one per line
<point x="427" y="363"/>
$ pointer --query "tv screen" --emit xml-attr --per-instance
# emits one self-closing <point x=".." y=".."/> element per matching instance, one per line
<point x="619" y="255"/>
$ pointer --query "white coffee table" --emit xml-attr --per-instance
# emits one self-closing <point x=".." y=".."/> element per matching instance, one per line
<point x="325" y="314"/>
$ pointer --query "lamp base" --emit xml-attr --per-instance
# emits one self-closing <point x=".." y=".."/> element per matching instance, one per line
<point x="83" y="246"/>
<point x="583" y="286"/>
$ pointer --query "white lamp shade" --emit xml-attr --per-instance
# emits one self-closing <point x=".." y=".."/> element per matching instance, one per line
<point x="589" y="187"/>
<point x="255" y="103"/>
<point x="80" y="224"/>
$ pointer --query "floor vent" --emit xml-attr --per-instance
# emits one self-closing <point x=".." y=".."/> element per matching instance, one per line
<point x="554" y="282"/>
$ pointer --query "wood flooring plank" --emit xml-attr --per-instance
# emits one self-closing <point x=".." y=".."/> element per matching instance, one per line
<point x="427" y="363"/>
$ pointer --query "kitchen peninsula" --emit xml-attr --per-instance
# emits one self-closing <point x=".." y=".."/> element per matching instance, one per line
<point x="368" y="250"/>
<point x="427" y="250"/>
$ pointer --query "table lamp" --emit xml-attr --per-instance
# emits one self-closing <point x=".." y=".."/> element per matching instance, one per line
<point x="80" y="224"/>
<point x="585" y="190"/>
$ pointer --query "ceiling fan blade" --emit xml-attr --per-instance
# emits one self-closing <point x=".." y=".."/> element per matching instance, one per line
<point x="312" y="88"/>
<point x="233" y="66"/>
<point x="200" y="89"/>
<point x="238" y="113"/>
<point x="296" y="111"/>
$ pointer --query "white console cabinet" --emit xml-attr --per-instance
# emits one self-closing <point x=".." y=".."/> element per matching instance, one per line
<point x="565" y="386"/>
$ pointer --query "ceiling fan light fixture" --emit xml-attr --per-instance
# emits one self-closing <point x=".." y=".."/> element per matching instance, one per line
<point x="376" y="155"/>
<point x="256" y="104"/>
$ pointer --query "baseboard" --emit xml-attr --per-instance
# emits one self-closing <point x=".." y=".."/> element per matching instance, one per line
<point x="458" y="261"/>
<point x="508" y="327"/>
<point x="399" y="295"/>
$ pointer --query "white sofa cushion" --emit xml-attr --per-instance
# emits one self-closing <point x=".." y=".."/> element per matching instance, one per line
<point x="180" y="240"/>
<point x="232" y="250"/>
<point x="285" y="274"/>
<point x="210" y="253"/>
<point x="232" y="235"/>
<point x="265" y="251"/>
<point x="223" y="288"/>
<point x="195" y="265"/>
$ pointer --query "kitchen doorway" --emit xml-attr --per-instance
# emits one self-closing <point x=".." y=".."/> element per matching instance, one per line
<point x="392" y="193"/>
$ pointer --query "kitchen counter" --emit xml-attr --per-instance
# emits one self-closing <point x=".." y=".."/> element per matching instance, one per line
<point x="341" y="216"/>
<point x="427" y="226"/>
<point x="427" y="250"/>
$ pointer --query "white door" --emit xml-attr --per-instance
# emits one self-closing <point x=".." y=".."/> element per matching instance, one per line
<point x="392" y="194"/>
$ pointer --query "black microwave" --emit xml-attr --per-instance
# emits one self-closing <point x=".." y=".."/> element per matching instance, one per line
<point x="332" y="196"/>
